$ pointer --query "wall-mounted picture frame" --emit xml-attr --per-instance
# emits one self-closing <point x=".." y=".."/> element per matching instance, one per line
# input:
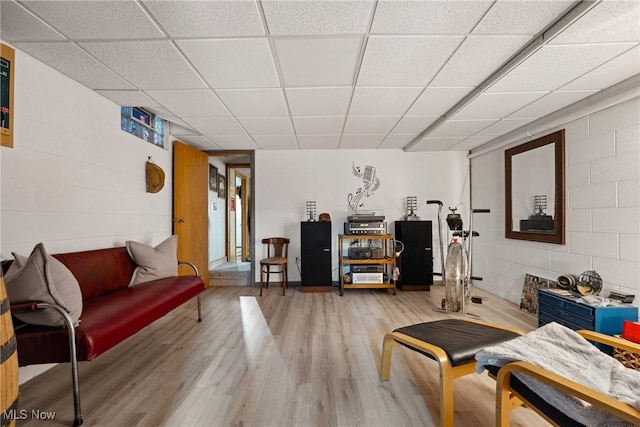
<point x="7" y="72"/>
<point x="222" y="193"/>
<point x="213" y="178"/>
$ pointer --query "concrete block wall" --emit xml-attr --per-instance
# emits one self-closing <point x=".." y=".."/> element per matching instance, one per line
<point x="602" y="209"/>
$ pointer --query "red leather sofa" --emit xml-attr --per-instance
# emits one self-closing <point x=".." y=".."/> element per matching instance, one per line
<point x="112" y="310"/>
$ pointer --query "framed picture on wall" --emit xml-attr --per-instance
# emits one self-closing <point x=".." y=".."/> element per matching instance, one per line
<point x="221" y="186"/>
<point x="213" y="178"/>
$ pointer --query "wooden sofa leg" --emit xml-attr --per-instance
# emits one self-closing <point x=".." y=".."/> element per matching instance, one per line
<point x="73" y="355"/>
<point x="199" y="308"/>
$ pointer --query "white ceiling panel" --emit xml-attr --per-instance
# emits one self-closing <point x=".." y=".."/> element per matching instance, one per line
<point x="608" y="21"/>
<point x="369" y="73"/>
<point x="233" y="63"/>
<point x="460" y="128"/>
<point x="413" y="124"/>
<point x="614" y="71"/>
<point x="200" y="142"/>
<point x="555" y="66"/>
<point x="129" y="98"/>
<point x="521" y="17"/>
<point x="318" y="142"/>
<point x="551" y="102"/>
<point x="317" y="17"/>
<point x="318" y="61"/>
<point x="357" y="125"/>
<point x="254" y="102"/>
<point x="383" y="101"/>
<point x="240" y="142"/>
<point x="190" y="103"/>
<point x="319" y="125"/>
<point x="215" y="127"/>
<point x="503" y="126"/>
<point x="486" y="53"/>
<point x="146" y="64"/>
<point x="267" y="125"/>
<point x="404" y="61"/>
<point x="362" y="142"/>
<point x="396" y="141"/>
<point x="496" y="105"/>
<point x="435" y="101"/>
<point x="322" y="101"/>
<point x="276" y="142"/>
<point x="436" y="144"/>
<point x="427" y="17"/>
<point x="19" y="25"/>
<point x="207" y="18"/>
<point x="75" y="63"/>
<point x="96" y="20"/>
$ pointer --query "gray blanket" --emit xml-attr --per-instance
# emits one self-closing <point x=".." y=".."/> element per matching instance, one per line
<point x="562" y="351"/>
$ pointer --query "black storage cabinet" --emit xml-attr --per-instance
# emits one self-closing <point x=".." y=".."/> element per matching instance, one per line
<point x="316" y="256"/>
<point x="416" y="261"/>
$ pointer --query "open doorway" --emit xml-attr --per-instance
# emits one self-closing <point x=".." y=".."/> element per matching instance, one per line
<point x="231" y="218"/>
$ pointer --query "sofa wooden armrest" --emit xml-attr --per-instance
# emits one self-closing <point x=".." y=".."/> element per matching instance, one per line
<point x="510" y="395"/>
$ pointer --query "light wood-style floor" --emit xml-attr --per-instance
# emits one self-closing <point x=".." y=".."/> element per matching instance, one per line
<point x="305" y="359"/>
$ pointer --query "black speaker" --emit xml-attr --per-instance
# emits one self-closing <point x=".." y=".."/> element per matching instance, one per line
<point x="416" y="261"/>
<point x="316" y="256"/>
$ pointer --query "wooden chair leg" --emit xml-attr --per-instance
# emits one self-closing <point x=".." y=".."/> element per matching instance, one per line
<point x="446" y="395"/>
<point x="284" y="279"/>
<point x="261" y="276"/>
<point x="388" y="344"/>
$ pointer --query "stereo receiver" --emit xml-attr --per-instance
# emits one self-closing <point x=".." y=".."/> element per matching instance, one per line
<point x="365" y="253"/>
<point x="365" y="228"/>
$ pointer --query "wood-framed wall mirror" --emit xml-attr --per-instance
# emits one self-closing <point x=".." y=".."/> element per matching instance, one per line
<point x="534" y="190"/>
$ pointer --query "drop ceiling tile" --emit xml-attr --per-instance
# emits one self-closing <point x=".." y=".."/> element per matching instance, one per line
<point x="496" y="105"/>
<point x="319" y="125"/>
<point x="18" y="25"/>
<point x="362" y="125"/>
<point x="267" y="125"/>
<point x="503" y="126"/>
<point x="521" y="17"/>
<point x="276" y="142"/>
<point x="96" y="20"/>
<point x="361" y="142"/>
<point x="460" y="128"/>
<point x="318" y="61"/>
<point x="190" y="103"/>
<point x="215" y="127"/>
<point x="129" y="97"/>
<point x="200" y="142"/>
<point x="413" y="124"/>
<point x="608" y="21"/>
<point x="486" y="53"/>
<point x="146" y="64"/>
<point x="75" y="63"/>
<point x="435" y="144"/>
<point x="319" y="17"/>
<point x="404" y="60"/>
<point x="555" y="66"/>
<point x="315" y="142"/>
<point x="232" y="63"/>
<point x="239" y="142"/>
<point x="427" y="17"/>
<point x="382" y="101"/>
<point x="396" y="141"/>
<point x="179" y="129"/>
<point x="550" y="103"/>
<point x="435" y="101"/>
<point x="254" y="102"/>
<point x="322" y="101"/>
<point x="207" y="18"/>
<point x="614" y="71"/>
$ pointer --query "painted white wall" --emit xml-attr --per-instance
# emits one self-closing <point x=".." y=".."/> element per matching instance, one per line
<point x="602" y="210"/>
<point x="217" y="210"/>
<point x="285" y="180"/>
<point x="74" y="180"/>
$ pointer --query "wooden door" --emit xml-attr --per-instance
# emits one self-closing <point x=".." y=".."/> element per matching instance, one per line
<point x="190" y="207"/>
